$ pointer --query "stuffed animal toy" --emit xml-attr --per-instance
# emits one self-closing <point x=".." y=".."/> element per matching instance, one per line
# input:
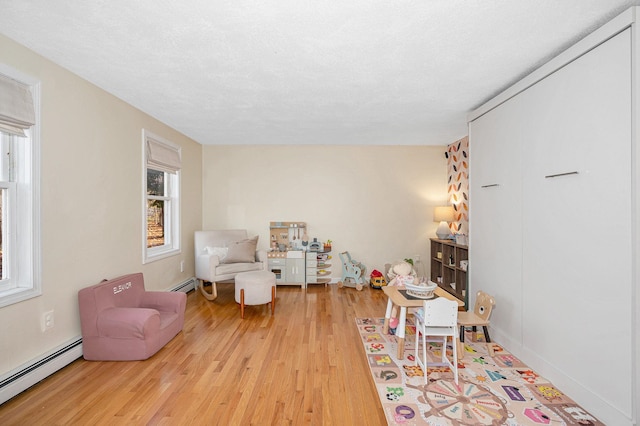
<point x="393" y="325"/>
<point x="401" y="273"/>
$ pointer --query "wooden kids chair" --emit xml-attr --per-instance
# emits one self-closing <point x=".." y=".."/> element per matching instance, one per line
<point x="478" y="318"/>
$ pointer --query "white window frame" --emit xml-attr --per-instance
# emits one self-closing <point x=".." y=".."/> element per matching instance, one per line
<point x="172" y="211"/>
<point x="22" y="209"/>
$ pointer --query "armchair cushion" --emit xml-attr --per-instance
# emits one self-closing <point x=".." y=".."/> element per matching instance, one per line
<point x="243" y="251"/>
<point x="236" y="268"/>
<point x="162" y="301"/>
<point x="221" y="252"/>
<point x="124" y="323"/>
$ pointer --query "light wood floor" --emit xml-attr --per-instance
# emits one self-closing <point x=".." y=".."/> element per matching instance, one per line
<point x="305" y="365"/>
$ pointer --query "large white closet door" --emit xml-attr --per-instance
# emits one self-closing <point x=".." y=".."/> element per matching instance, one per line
<point x="495" y="255"/>
<point x="576" y="226"/>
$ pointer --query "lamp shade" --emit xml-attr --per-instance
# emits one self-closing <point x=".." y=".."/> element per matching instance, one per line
<point x="443" y="213"/>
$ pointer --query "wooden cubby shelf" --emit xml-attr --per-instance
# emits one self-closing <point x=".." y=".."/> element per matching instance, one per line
<point x="447" y="269"/>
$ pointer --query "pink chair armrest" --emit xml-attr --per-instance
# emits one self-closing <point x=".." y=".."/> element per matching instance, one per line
<point x="166" y="301"/>
<point x="128" y="322"/>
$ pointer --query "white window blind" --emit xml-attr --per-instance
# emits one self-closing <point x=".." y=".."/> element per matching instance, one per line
<point x="163" y="157"/>
<point x="16" y="107"/>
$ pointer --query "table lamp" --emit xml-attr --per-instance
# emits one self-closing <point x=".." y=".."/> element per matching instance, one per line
<point x="443" y="214"/>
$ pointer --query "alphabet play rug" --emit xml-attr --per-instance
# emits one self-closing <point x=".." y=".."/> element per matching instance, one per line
<point x="493" y="390"/>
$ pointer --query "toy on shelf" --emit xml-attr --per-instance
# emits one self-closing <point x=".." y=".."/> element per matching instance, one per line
<point x="315" y="245"/>
<point x="352" y="272"/>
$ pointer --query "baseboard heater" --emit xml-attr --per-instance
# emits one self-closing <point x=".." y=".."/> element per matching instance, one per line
<point x="185" y="286"/>
<point x="39" y="369"/>
<point x="29" y="374"/>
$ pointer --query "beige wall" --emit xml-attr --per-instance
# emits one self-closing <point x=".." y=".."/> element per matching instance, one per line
<point x="376" y="202"/>
<point x="91" y="211"/>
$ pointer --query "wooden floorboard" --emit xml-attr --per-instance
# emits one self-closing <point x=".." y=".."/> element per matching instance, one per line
<point x="303" y="365"/>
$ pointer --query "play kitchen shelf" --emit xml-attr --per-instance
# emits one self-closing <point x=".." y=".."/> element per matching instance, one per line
<point x="449" y="262"/>
<point x="318" y="267"/>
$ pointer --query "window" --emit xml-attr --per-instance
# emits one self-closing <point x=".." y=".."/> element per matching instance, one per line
<point x="161" y="206"/>
<point x="7" y="211"/>
<point x="19" y="188"/>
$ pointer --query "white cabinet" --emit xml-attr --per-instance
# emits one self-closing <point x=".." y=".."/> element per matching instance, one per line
<point x="576" y="184"/>
<point x="295" y="271"/>
<point x="552" y="220"/>
<point x="495" y="211"/>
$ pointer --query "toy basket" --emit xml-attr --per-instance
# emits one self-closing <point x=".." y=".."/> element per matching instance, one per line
<point x="421" y="290"/>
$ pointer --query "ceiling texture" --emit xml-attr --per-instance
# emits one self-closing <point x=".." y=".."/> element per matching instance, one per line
<point x="354" y="72"/>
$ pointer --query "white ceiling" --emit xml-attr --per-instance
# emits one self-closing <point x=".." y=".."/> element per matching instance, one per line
<point x="391" y="72"/>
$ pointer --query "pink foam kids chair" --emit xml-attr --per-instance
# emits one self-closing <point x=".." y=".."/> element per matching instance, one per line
<point x="120" y="321"/>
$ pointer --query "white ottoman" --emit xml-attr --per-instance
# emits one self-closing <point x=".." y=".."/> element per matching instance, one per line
<point x="255" y="288"/>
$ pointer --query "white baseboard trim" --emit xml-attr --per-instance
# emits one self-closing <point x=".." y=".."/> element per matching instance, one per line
<point x="27" y="375"/>
<point x="595" y="404"/>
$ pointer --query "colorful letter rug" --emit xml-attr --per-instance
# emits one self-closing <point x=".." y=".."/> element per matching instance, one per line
<point x="493" y="390"/>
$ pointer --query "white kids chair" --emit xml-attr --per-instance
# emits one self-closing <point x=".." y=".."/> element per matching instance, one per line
<point x="436" y="321"/>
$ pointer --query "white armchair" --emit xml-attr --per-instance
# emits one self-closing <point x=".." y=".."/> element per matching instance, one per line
<point x="222" y="254"/>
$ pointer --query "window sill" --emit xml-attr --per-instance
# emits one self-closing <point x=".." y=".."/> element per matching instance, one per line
<point x="15" y="295"/>
<point x="160" y="254"/>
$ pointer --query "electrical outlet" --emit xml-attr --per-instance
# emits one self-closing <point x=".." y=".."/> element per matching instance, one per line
<point x="182" y="266"/>
<point x="47" y="320"/>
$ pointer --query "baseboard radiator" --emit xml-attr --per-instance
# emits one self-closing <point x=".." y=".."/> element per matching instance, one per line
<point x="33" y="372"/>
<point x="29" y="374"/>
<point x="185" y="286"/>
